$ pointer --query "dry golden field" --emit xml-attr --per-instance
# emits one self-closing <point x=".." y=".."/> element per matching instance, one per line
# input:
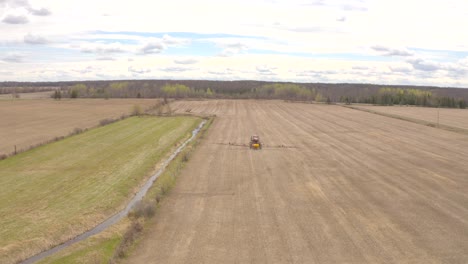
<point x="28" y="122"/>
<point x="457" y="118"/>
<point x="37" y="95"/>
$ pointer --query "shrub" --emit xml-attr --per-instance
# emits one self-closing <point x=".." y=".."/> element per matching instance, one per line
<point x="163" y="190"/>
<point x="186" y="157"/>
<point x="128" y="239"/>
<point x="136" y="110"/>
<point x="143" y="208"/>
<point x="106" y="121"/>
<point x="74" y="94"/>
<point x="158" y="197"/>
<point x="57" y="95"/>
<point x="76" y="131"/>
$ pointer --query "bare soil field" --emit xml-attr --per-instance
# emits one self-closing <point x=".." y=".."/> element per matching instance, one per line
<point x="28" y="122"/>
<point x="450" y="117"/>
<point x="346" y="187"/>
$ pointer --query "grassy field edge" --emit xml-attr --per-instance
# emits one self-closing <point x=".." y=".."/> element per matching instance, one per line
<point x="131" y="183"/>
<point x="114" y="244"/>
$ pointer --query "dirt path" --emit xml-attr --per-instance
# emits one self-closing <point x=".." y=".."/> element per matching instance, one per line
<point x="358" y="188"/>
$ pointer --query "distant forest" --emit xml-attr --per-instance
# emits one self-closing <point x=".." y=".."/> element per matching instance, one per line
<point x="319" y="92"/>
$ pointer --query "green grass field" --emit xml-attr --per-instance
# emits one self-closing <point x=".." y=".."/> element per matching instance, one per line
<point x="52" y="193"/>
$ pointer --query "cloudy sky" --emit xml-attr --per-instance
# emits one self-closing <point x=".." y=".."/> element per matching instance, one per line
<point x="422" y="42"/>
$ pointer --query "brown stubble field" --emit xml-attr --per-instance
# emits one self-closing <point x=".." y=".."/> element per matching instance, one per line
<point x="457" y="118"/>
<point x="37" y="95"/>
<point x="350" y="187"/>
<point x="29" y="122"/>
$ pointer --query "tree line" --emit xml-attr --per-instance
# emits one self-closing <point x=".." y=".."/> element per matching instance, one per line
<point x="398" y="96"/>
<point x="284" y="91"/>
<point x="320" y="92"/>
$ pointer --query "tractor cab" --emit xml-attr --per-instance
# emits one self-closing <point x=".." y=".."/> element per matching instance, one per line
<point x="255" y="142"/>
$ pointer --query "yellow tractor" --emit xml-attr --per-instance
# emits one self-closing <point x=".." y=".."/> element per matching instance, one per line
<point x="255" y="142"/>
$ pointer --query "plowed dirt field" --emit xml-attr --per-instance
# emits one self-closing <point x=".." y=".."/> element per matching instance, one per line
<point x="332" y="185"/>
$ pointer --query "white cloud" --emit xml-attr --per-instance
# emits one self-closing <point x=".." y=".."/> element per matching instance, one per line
<point x="158" y="45"/>
<point x="35" y="39"/>
<point x="176" y="69"/>
<point x="403" y="68"/>
<point x="354" y="8"/>
<point x="232" y="49"/>
<point x="185" y="61"/>
<point x="15" y="19"/>
<point x="266" y="70"/>
<point x="138" y="70"/>
<point x="14" y="3"/>
<point x="14" y="57"/>
<point x="386" y="51"/>
<point x="100" y="48"/>
<point x="420" y="64"/>
<point x="86" y="70"/>
<point x="218" y="73"/>
<point x="360" y="68"/>
<point x="39" y="12"/>
<point x="171" y="41"/>
<point x="152" y="47"/>
<point x="24" y="5"/>
<point x="106" y="58"/>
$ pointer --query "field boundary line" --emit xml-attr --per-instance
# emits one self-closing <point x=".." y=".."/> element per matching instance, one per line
<point x="412" y="120"/>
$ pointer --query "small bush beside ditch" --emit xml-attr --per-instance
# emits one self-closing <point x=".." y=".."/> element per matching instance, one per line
<point x="106" y="121"/>
<point x="144" y="208"/>
<point x="127" y="240"/>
